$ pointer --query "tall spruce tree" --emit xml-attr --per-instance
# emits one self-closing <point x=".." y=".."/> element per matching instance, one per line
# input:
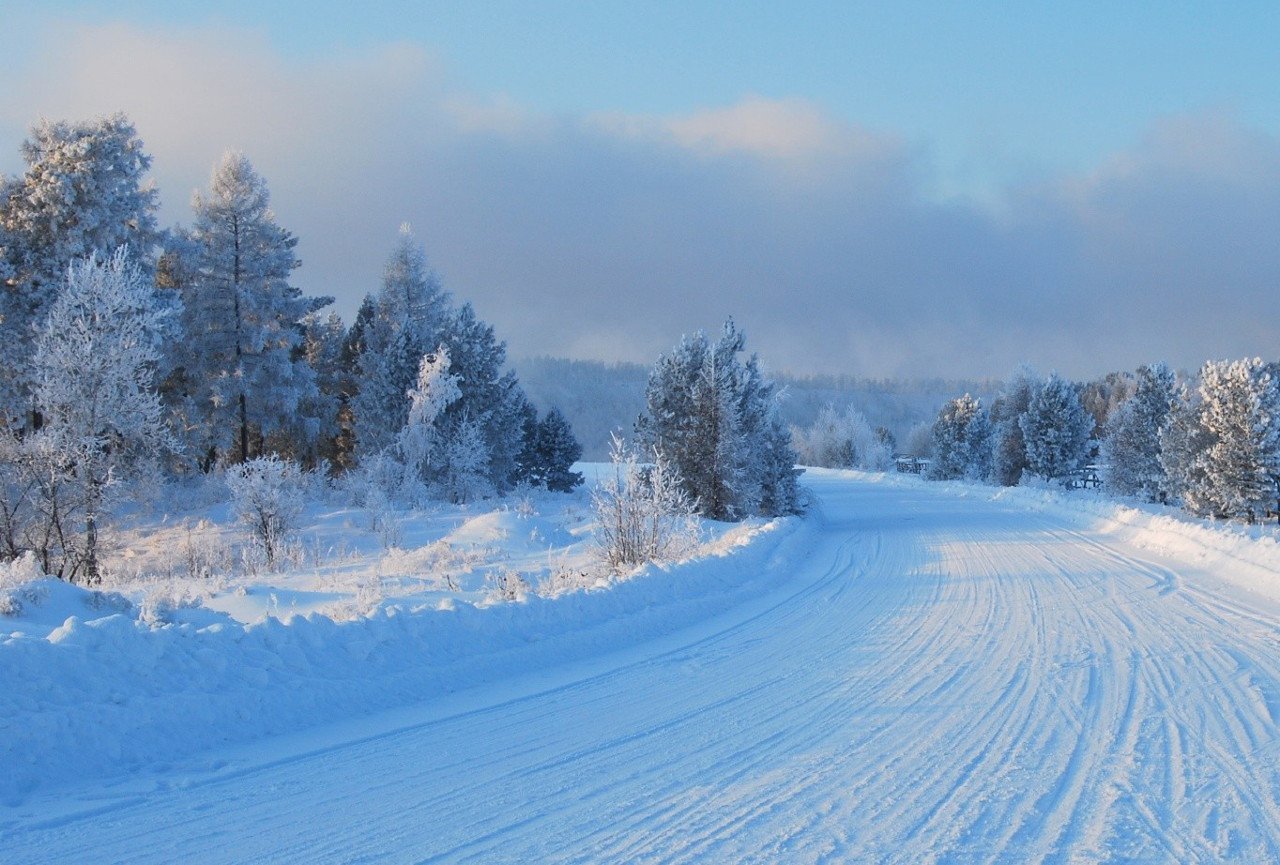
<point x="1008" y="447"/>
<point x="715" y="417"/>
<point x="244" y="368"/>
<point x="1240" y="417"/>
<point x="405" y="320"/>
<point x="1056" y="430"/>
<point x="1131" y="435"/>
<point x="961" y="441"/>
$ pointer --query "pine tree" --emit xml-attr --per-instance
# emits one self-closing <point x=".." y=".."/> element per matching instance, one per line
<point x="555" y="452"/>
<point x="244" y="368"/>
<point x="83" y="191"/>
<point x="961" y="441"/>
<point x="491" y="400"/>
<point x="1056" y="430"/>
<point x="406" y="319"/>
<point x="94" y="368"/>
<point x="1240" y="414"/>
<point x="715" y="417"/>
<point x="1009" y="448"/>
<point x="1131" y="435"/>
<point x="1182" y="441"/>
<point x="387" y="370"/>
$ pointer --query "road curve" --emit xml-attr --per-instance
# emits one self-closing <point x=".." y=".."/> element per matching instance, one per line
<point x="946" y="679"/>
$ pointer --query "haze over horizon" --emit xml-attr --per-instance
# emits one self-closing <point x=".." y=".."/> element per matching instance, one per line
<point x="924" y="191"/>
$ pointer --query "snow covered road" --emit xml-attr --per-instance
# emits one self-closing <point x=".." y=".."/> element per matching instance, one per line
<point x="941" y="679"/>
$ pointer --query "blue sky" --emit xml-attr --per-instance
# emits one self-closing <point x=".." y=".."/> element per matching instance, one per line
<point x="996" y="91"/>
<point x="1021" y="162"/>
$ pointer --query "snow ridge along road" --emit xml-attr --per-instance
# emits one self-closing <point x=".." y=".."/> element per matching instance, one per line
<point x="942" y="679"/>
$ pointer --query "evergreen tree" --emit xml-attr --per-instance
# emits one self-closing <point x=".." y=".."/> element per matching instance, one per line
<point x="1240" y="414"/>
<point x="491" y="402"/>
<point x="555" y="451"/>
<point x="961" y="441"/>
<point x="244" y="368"/>
<point x="387" y="370"/>
<point x="83" y="191"/>
<point x="1056" y="430"/>
<point x="406" y="319"/>
<point x="1131" y="435"/>
<point x="1182" y="441"/>
<point x="1009" y="448"/>
<point x="317" y="431"/>
<point x="715" y="417"/>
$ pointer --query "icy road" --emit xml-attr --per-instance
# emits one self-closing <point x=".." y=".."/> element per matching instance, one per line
<point x="940" y="679"/>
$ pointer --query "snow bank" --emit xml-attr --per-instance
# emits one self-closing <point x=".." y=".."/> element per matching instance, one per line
<point x="112" y="689"/>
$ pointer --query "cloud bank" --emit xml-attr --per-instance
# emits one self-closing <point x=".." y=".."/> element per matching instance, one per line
<point x="608" y="236"/>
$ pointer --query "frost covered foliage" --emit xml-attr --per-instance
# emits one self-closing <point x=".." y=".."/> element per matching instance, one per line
<point x="102" y="422"/>
<point x="1008" y="446"/>
<point x="242" y="374"/>
<point x="83" y="189"/>
<point x="961" y="441"/>
<point x="480" y="435"/>
<point x="642" y="511"/>
<point x="267" y="498"/>
<point x="1131" y="436"/>
<point x="1056" y="430"/>
<point x="841" y="440"/>
<point x="715" y="417"/>
<point x="1233" y="467"/>
<point x="1182" y="441"/>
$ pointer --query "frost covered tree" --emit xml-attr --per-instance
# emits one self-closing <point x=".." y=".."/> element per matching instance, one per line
<point x="1240" y="417"/>
<point x="1056" y="430"/>
<point x="1009" y="449"/>
<point x="961" y="441"/>
<point x="1131" y="435"/>
<point x="243" y="368"/>
<point x="482" y="432"/>
<point x="715" y="417"/>
<point x="83" y="190"/>
<point x="406" y="319"/>
<point x="419" y="446"/>
<point x="842" y="440"/>
<point x="320" y="431"/>
<point x="492" y="400"/>
<point x="94" y="366"/>
<point x="1183" y="440"/>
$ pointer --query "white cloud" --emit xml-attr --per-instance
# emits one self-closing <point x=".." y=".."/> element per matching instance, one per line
<point x="611" y="235"/>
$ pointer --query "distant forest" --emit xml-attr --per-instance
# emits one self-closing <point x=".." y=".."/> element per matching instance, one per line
<point x="598" y="397"/>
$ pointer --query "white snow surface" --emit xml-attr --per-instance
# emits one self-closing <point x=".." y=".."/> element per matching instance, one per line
<point x="915" y="673"/>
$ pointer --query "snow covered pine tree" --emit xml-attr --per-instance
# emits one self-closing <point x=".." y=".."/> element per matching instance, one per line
<point x="1131" y="436"/>
<point x="716" y="418"/>
<point x="1056" y="429"/>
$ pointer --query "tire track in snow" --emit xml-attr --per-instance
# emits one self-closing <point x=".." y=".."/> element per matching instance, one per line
<point x="952" y="681"/>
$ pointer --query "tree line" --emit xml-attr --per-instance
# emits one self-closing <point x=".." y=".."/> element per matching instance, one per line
<point x="1209" y="443"/>
<point x="133" y="350"/>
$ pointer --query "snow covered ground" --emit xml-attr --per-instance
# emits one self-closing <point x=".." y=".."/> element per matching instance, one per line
<point x="918" y="672"/>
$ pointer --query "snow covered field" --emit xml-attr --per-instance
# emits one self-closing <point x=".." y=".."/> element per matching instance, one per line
<point x="918" y="672"/>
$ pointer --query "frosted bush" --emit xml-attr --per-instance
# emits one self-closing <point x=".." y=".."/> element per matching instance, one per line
<point x="267" y="497"/>
<point x="506" y="585"/>
<point x="642" y="511"/>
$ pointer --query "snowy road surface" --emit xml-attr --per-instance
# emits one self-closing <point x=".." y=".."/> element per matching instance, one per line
<point x="942" y="679"/>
